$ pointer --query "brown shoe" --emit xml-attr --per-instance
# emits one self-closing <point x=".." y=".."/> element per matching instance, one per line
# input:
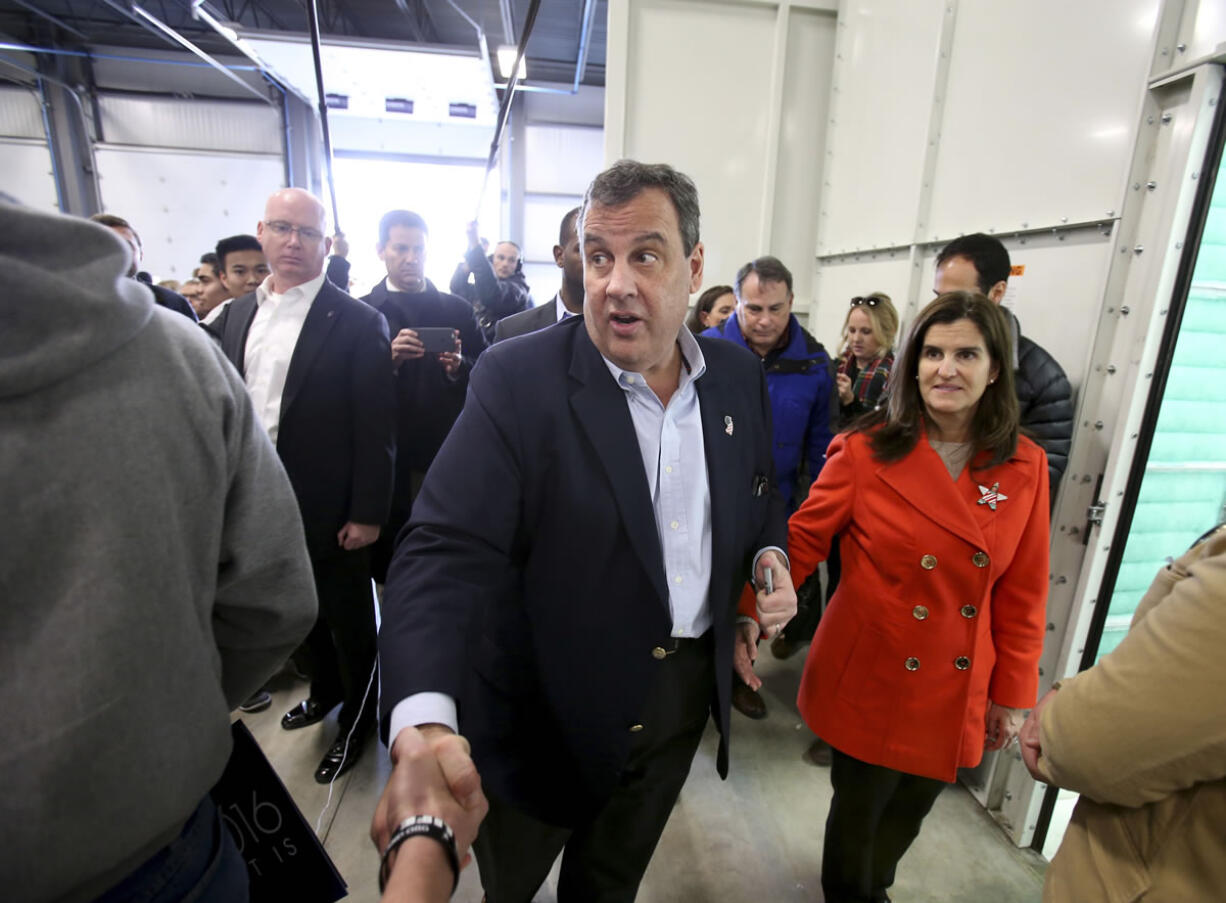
<point x="782" y="647"/>
<point x="819" y="753"/>
<point x="748" y="702"/>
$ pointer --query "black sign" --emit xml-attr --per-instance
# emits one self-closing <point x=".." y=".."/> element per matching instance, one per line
<point x="463" y="110"/>
<point x="337" y="101"/>
<point x="397" y="105"/>
<point x="285" y="860"/>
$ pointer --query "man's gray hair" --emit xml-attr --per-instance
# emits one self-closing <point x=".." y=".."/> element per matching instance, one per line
<point x="769" y="269"/>
<point x="626" y="179"/>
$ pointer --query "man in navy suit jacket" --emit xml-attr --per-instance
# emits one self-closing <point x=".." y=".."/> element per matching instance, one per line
<point x="318" y="365"/>
<point x="566" y="592"/>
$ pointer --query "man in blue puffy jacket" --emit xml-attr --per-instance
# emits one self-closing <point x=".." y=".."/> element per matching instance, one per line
<point x="800" y="380"/>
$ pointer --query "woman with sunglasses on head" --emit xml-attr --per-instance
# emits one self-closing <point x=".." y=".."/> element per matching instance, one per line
<point x="869" y="330"/>
<point x="928" y="653"/>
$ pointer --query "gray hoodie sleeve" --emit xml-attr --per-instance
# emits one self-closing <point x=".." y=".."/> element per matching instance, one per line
<point x="265" y="603"/>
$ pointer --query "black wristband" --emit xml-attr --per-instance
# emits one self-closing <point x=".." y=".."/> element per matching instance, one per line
<point x="422" y="826"/>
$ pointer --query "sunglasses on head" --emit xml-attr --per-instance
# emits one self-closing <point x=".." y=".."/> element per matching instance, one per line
<point x="871" y="302"/>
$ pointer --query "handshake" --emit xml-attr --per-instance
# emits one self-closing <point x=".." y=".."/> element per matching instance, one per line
<point x="428" y="816"/>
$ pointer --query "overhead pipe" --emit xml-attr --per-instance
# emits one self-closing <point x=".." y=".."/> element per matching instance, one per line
<point x="152" y="23"/>
<point x="123" y="58"/>
<point x="313" y="21"/>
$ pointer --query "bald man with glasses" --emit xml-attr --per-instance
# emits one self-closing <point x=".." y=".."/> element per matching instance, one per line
<point x="316" y="362"/>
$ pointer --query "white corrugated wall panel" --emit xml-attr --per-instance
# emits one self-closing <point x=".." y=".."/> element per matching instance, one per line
<point x="20" y="114"/>
<point x="219" y="125"/>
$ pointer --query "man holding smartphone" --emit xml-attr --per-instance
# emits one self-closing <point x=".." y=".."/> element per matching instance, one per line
<point x="435" y="342"/>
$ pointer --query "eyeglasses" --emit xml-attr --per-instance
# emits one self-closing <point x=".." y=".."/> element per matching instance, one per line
<point x="870" y="301"/>
<point x="305" y="233"/>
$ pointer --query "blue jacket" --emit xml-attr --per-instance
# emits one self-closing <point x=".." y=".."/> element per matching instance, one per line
<point x="804" y="402"/>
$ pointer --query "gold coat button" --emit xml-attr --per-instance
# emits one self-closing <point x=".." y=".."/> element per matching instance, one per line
<point x="962" y="663"/>
<point x="659" y="653"/>
<point x="969" y="611"/>
<point x="980" y="559"/>
<point x="635" y="728"/>
<point x="928" y="562"/>
<point x="912" y="664"/>
<point x="920" y="612"/>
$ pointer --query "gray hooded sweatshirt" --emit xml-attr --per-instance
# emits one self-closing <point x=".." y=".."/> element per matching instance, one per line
<point x="152" y="565"/>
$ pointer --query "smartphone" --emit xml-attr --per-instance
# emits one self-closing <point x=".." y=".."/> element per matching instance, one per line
<point x="436" y="338"/>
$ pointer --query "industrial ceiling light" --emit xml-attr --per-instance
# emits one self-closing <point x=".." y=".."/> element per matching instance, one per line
<point x="506" y="62"/>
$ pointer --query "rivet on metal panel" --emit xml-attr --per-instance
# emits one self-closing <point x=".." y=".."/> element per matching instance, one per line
<point x="1149" y="376"/>
<point x="1110" y="213"/>
<point x="1181" y="47"/>
<point x="1025" y="225"/>
<point x="1111" y="368"/>
<point x="1136" y="186"/>
<point x="1061" y="580"/>
<point x="1196" y="175"/>
<point x="1149" y="120"/>
<point x="1073" y="531"/>
<point x="1165" y="51"/>
<point x="1064" y="219"/>
<point x="1162" y="313"/>
<point x="1138" y="249"/>
<point x="1213" y="101"/>
<point x="1086" y="478"/>
<point x="1119" y="494"/>
<point x="1110" y="310"/>
<point x="1098" y="424"/>
<point x="1178" y="245"/>
<point x="1151" y="184"/>
<point x="1062" y="236"/>
<point x="1166" y="117"/>
<point x="1133" y="436"/>
<point x="1125" y="310"/>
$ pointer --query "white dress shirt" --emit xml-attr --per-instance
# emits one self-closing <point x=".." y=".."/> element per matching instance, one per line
<point x="270" y="345"/>
<point x="559" y="308"/>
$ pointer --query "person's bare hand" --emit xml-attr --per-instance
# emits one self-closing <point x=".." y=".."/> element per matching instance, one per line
<point x="1001" y="726"/>
<point x="1029" y="740"/>
<point x="451" y="359"/>
<point x="434" y="776"/>
<point x="745" y="653"/>
<point x="355" y="536"/>
<point x="777" y="608"/>
<point x="340" y="245"/>
<point x="472" y="231"/>
<point x="406" y="346"/>
<point x="843" y="381"/>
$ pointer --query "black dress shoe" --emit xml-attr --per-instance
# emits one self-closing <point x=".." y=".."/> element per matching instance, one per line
<point x="748" y="702"/>
<point x="337" y="760"/>
<point x="256" y="702"/>
<point x="305" y="713"/>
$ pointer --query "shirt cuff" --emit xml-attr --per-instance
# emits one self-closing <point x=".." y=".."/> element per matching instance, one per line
<point x="422" y="708"/>
<point x="753" y="569"/>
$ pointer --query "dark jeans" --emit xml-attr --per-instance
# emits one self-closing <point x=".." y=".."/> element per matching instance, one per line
<point x="202" y="863"/>
<point x="604" y="859"/>
<point x="874" y="816"/>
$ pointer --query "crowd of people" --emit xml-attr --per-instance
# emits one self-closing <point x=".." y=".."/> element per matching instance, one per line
<point x="518" y="480"/>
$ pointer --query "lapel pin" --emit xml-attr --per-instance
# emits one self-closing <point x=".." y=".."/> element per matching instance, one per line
<point x="331" y="312"/>
<point x="991" y="496"/>
<point x="727" y="424"/>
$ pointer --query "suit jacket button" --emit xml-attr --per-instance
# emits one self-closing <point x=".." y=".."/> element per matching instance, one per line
<point x="928" y="562"/>
<point x="969" y="611"/>
<point x="920" y="612"/>
<point x="980" y="559"/>
<point x="659" y="653"/>
<point x="962" y="663"/>
<point x="912" y="664"/>
<point x="635" y="728"/>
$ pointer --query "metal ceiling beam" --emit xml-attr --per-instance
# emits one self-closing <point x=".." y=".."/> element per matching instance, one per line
<point x="152" y="23"/>
<point x="50" y="18"/>
<point x="508" y="21"/>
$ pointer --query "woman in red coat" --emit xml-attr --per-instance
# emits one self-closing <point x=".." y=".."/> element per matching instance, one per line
<point x="928" y="653"/>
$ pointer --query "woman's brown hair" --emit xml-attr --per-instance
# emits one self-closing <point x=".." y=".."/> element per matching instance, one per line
<point x="896" y="427"/>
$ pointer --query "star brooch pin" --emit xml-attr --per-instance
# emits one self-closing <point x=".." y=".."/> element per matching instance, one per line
<point x="991" y="496"/>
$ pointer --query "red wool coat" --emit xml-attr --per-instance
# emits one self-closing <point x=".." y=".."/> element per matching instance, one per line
<point x="940" y="608"/>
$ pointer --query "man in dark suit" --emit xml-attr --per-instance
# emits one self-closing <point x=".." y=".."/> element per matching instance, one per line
<point x="568" y="583"/>
<point x="317" y="364"/>
<point x="430" y="387"/>
<point x="163" y="296"/>
<point x="568" y="302"/>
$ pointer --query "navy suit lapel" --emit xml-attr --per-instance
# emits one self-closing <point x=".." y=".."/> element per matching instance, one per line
<point x="600" y="407"/>
<point x="720" y="450"/>
<point x="319" y="321"/>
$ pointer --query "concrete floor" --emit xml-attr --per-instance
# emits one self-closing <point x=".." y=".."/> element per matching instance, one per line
<point x="757" y="836"/>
